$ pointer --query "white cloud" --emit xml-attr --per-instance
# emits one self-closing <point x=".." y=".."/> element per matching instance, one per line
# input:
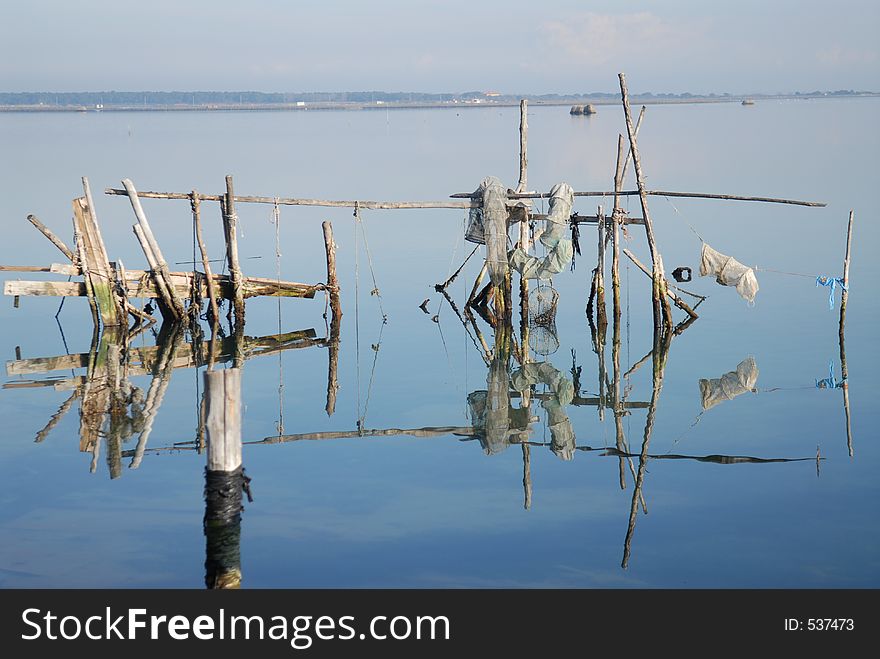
<point x="602" y="38"/>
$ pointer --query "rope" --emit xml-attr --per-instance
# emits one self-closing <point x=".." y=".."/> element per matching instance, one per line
<point x="357" y="321"/>
<point x="683" y="219"/>
<point x="375" y="291"/>
<point x="276" y="220"/>
<point x="362" y="418"/>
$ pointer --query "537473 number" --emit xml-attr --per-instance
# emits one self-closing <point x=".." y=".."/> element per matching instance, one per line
<point x="830" y="624"/>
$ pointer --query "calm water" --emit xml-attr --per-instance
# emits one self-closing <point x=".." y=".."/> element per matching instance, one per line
<point x="439" y="511"/>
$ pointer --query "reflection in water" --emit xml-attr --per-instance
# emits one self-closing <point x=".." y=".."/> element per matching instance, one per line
<point x="730" y="385"/>
<point x="114" y="410"/>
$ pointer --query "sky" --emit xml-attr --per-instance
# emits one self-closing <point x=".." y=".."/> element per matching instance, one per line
<point x="512" y="46"/>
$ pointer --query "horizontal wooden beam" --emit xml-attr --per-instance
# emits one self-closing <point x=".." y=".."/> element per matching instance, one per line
<point x="140" y="285"/>
<point x="658" y="193"/>
<point x="292" y="201"/>
<point x="57" y="268"/>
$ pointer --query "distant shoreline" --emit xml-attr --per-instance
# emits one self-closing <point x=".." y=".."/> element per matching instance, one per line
<point x="414" y="105"/>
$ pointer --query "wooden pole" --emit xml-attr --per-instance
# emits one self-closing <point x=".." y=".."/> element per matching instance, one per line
<point x="616" y="217"/>
<point x="230" y="222"/>
<point x="55" y="240"/>
<point x="223" y="418"/>
<point x="658" y="288"/>
<point x="601" y="314"/>
<point x="653" y="193"/>
<point x="224" y="479"/>
<point x="845" y="293"/>
<point x="159" y="266"/>
<point x="523" y="145"/>
<point x="166" y="302"/>
<point x="213" y="294"/>
<point x="387" y="205"/>
<point x="527" y="476"/>
<point x="844" y="373"/>
<point x="332" y="281"/>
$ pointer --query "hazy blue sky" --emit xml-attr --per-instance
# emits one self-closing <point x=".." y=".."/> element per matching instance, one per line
<point x="449" y="45"/>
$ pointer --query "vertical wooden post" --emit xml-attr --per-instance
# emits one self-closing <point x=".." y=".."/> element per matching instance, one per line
<point x="662" y="312"/>
<point x="844" y="294"/>
<point x="527" y="475"/>
<point x="615" y="237"/>
<point x="523" y="146"/>
<point x="332" y="281"/>
<point x="223" y="479"/>
<point x="230" y="222"/>
<point x="601" y="314"/>
<point x="195" y="204"/>
<point x="524" y="293"/>
<point x="844" y="373"/>
<point x="223" y="419"/>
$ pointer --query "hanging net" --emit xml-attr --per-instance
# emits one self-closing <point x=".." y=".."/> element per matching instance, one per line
<point x="543" y="339"/>
<point x="542" y="305"/>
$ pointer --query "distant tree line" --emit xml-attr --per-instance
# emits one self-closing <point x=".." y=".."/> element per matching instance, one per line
<point x="202" y="98"/>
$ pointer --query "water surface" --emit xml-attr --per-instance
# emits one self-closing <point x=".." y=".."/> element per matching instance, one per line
<point x="439" y="512"/>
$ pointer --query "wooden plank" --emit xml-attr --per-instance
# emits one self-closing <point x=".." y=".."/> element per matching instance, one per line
<point x="56" y="288"/>
<point x="95" y="264"/>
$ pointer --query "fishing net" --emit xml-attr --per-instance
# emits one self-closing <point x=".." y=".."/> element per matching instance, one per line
<point x="560" y="250"/>
<point x="542" y="320"/>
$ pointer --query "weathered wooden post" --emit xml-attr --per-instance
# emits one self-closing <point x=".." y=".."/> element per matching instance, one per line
<point x="523" y="145"/>
<point x="601" y="314"/>
<point x="335" y="318"/>
<point x="230" y="223"/>
<point x="332" y="281"/>
<point x="662" y="312"/>
<point x="223" y="479"/>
